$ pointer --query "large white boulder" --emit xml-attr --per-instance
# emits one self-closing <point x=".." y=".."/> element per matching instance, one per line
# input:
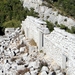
<point x="50" y="73"/>
<point x="60" y="73"/>
<point x="20" y="67"/>
<point x="33" y="64"/>
<point x="27" y="73"/>
<point x="43" y="73"/>
<point x="34" y="72"/>
<point x="22" y="49"/>
<point x="14" y="66"/>
<point x="57" y="71"/>
<point x="44" y="68"/>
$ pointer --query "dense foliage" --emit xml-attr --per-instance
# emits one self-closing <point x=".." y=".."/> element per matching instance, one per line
<point x="12" y="13"/>
<point x="66" y="7"/>
<point x="70" y="30"/>
<point x="50" y="26"/>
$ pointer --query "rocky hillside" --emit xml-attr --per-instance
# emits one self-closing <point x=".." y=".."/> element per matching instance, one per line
<point x="48" y="13"/>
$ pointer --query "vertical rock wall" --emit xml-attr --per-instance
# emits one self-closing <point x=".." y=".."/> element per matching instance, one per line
<point x="33" y="29"/>
<point x="58" y="45"/>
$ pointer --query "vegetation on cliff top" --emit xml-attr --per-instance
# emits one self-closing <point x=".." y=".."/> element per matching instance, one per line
<point x="66" y="7"/>
<point x="12" y="13"/>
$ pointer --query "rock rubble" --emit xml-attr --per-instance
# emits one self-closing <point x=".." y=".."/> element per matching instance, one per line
<point x="18" y="57"/>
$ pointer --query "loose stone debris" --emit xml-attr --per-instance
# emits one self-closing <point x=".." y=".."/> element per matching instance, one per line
<point x="18" y="57"/>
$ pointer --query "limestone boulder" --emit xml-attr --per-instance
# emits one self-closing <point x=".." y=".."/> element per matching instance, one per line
<point x="44" y="68"/>
<point x="34" y="72"/>
<point x="43" y="73"/>
<point x="57" y="71"/>
<point x="27" y="73"/>
<point x="60" y="73"/>
<point x="55" y="66"/>
<point x="33" y="64"/>
<point x="50" y="73"/>
<point x="22" y="49"/>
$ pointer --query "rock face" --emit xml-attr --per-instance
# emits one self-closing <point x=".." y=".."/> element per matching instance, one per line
<point x="49" y="14"/>
<point x="34" y="28"/>
<point x="58" y="45"/>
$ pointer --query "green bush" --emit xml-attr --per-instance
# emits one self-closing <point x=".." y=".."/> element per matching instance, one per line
<point x="12" y="13"/>
<point x="41" y="51"/>
<point x="12" y="23"/>
<point x="73" y="29"/>
<point x="50" y="26"/>
<point x="56" y="22"/>
<point x="69" y="30"/>
<point x="57" y="25"/>
<point x="63" y="27"/>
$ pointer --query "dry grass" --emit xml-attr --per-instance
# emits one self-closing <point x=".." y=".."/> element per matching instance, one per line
<point x="32" y="42"/>
<point x="21" y="63"/>
<point x="13" y="59"/>
<point x="22" y="72"/>
<point x="27" y="49"/>
<point x="21" y="45"/>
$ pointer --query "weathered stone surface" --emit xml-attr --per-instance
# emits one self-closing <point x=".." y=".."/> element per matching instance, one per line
<point x="27" y="73"/>
<point x="60" y="74"/>
<point x="49" y="14"/>
<point x="33" y="64"/>
<point x="34" y="72"/>
<point x="58" y="45"/>
<point x="43" y="73"/>
<point x="44" y="68"/>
